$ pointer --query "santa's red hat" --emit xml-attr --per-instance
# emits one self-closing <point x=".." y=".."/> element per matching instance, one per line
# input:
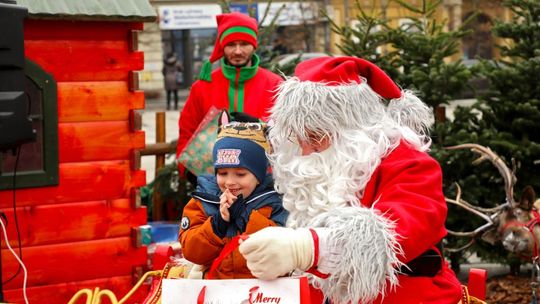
<point x="231" y="27"/>
<point x="335" y="71"/>
<point x="325" y="88"/>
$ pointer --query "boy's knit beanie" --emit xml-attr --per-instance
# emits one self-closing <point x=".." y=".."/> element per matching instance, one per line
<point x="239" y="146"/>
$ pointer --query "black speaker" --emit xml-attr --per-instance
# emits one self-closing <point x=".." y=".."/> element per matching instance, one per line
<point x="15" y="125"/>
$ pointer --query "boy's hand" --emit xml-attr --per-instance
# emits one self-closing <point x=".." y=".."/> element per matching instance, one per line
<point x="226" y="200"/>
<point x="224" y="211"/>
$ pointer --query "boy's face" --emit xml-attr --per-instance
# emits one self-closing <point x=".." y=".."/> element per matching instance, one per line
<point x="237" y="180"/>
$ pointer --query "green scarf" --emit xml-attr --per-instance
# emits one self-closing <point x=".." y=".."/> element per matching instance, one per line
<point x="237" y="78"/>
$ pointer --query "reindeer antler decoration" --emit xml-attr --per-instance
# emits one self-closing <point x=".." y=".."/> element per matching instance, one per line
<point x="487" y="154"/>
<point x="488" y="214"/>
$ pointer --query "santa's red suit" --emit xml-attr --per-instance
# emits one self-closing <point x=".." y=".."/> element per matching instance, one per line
<point x="407" y="188"/>
<point x="365" y="201"/>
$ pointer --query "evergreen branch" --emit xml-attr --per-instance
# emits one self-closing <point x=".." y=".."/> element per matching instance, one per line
<point x="409" y="7"/>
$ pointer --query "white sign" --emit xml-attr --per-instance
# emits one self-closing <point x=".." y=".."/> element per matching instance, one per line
<point x="293" y="13"/>
<point x="239" y="291"/>
<point x="179" y="17"/>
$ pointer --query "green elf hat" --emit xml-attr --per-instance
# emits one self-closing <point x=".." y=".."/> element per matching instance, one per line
<point x="231" y="27"/>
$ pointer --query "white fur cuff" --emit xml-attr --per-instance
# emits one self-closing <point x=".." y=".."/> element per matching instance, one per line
<point x="368" y="254"/>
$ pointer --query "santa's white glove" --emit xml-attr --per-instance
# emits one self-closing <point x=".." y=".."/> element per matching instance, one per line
<point x="275" y="251"/>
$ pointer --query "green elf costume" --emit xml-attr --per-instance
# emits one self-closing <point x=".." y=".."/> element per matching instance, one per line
<point x="248" y="89"/>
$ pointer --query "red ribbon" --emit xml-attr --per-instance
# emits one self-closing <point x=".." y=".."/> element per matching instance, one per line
<point x="200" y="298"/>
<point x="228" y="249"/>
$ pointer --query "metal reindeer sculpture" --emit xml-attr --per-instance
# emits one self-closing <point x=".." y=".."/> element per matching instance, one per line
<point x="515" y="224"/>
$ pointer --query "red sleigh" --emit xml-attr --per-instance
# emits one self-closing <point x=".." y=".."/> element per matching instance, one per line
<point x="476" y="285"/>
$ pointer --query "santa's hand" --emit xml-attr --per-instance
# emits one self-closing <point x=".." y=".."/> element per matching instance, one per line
<point x="276" y="251"/>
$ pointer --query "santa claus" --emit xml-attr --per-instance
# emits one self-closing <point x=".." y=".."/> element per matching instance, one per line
<point x="367" y="211"/>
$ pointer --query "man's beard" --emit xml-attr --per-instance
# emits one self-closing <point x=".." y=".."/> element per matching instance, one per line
<point x="246" y="63"/>
<point x="319" y="182"/>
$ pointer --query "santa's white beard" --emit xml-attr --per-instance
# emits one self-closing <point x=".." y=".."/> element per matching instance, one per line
<point x="320" y="182"/>
<point x="323" y="190"/>
<point x="358" y="246"/>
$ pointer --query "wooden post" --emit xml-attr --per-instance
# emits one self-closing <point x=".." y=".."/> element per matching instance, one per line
<point x="440" y="117"/>
<point x="160" y="138"/>
<point x="440" y="114"/>
<point x="157" y="202"/>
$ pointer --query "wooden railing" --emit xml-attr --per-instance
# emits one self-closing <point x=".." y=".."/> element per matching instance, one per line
<point x="160" y="149"/>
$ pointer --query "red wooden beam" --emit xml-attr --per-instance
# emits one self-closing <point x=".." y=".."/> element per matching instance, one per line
<point x="78" y="30"/>
<point x="105" y="180"/>
<point x="77" y="261"/>
<point x="73" y="222"/>
<point x="74" y="60"/>
<point x="97" y="141"/>
<point x="96" y="101"/>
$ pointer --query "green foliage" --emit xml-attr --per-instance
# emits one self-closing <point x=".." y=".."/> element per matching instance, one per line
<point x="366" y="38"/>
<point x="523" y="30"/>
<point x="505" y="118"/>
<point x="414" y="55"/>
<point x="286" y="69"/>
<point x="170" y="188"/>
<point x="511" y="106"/>
<point x="422" y="45"/>
<point x="173" y="190"/>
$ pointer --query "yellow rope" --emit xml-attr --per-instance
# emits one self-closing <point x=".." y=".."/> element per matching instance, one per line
<point x="155" y="273"/>
<point x="94" y="297"/>
<point x="79" y="294"/>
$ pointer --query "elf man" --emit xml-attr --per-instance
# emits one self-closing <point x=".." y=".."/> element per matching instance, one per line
<point x="240" y="85"/>
<point x="365" y="201"/>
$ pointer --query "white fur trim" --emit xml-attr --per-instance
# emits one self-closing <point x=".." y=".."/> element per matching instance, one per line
<point x="318" y="107"/>
<point x="369" y="249"/>
<point x="409" y="111"/>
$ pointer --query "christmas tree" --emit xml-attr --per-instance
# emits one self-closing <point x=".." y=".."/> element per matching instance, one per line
<point x="504" y="118"/>
<point x="511" y="106"/>
<point x="424" y="46"/>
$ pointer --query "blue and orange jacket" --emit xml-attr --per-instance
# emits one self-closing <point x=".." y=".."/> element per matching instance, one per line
<point x="202" y="243"/>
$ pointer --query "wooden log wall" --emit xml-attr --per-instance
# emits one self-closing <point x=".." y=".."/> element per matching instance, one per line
<point x="78" y="234"/>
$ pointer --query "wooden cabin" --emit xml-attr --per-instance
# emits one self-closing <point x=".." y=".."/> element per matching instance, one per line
<point x="75" y="190"/>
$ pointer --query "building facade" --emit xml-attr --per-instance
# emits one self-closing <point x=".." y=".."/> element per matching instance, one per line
<point x="188" y="29"/>
<point x="455" y="12"/>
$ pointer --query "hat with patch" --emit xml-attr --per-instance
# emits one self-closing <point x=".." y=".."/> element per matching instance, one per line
<point x="231" y="27"/>
<point x="242" y="145"/>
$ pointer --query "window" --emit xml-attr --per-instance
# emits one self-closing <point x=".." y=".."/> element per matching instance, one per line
<point x="37" y="161"/>
<point x="480" y="43"/>
<point x="199" y="43"/>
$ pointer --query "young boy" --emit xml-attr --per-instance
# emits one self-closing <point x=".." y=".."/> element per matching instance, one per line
<point x="239" y="199"/>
